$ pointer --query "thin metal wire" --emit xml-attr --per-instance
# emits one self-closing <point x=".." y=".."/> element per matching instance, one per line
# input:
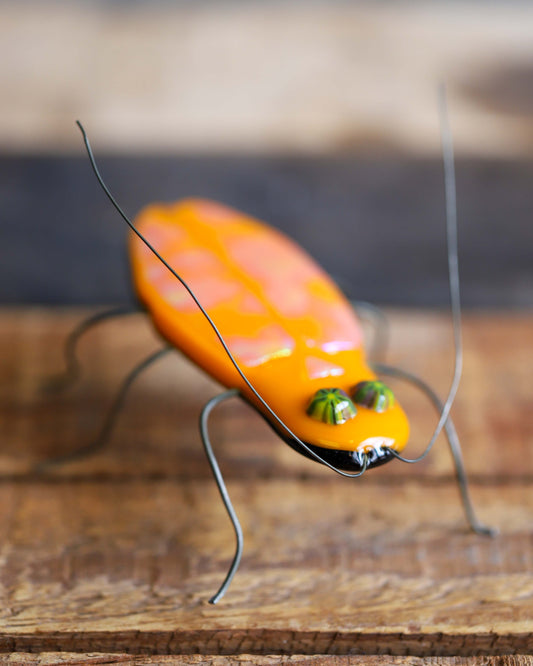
<point x="72" y="370"/>
<point x="379" y="320"/>
<point x="453" y="441"/>
<point x="275" y="417"/>
<point x="111" y="416"/>
<point x="453" y="272"/>
<point x="204" y="431"/>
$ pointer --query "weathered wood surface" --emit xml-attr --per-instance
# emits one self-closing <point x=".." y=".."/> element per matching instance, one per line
<point x="98" y="659"/>
<point x="119" y="553"/>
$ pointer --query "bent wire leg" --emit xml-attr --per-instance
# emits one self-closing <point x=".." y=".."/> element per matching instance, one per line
<point x="380" y="323"/>
<point x="222" y="489"/>
<point x="111" y="416"/>
<point x="453" y="441"/>
<point x="72" y="365"/>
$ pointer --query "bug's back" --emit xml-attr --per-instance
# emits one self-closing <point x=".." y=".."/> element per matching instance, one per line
<point x="285" y="321"/>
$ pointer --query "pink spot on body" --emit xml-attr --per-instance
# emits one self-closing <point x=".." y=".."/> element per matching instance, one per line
<point x="263" y="255"/>
<point x="270" y="342"/>
<point x="195" y="262"/>
<point x="316" y="368"/>
<point x="288" y="299"/>
<point x="282" y="269"/>
<point x="156" y="272"/>
<point x="162" y="234"/>
<point x="209" y="290"/>
<point x="249" y="304"/>
<point x="340" y="329"/>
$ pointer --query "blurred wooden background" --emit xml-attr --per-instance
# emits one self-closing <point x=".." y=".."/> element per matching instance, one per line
<point x="319" y="117"/>
<point x="267" y="76"/>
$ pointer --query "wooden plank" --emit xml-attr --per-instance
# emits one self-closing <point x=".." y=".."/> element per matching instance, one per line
<point x="338" y="76"/>
<point x="328" y="568"/>
<point x="120" y="553"/>
<point x="77" y="659"/>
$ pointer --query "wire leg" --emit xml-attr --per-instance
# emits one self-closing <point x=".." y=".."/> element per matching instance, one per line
<point x="111" y="416"/>
<point x="72" y="371"/>
<point x="222" y="489"/>
<point x="453" y="441"/>
<point x="462" y="481"/>
<point x="380" y="323"/>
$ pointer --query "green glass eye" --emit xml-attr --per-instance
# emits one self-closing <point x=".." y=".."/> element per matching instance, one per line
<point x="374" y="395"/>
<point x="331" y="405"/>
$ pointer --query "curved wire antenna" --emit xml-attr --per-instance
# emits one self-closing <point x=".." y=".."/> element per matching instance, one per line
<point x="111" y="416"/>
<point x="453" y="441"/>
<point x="276" y="418"/>
<point x="72" y="370"/>
<point x="204" y="431"/>
<point x="453" y="272"/>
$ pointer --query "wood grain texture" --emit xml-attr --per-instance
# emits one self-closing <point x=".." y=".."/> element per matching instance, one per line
<point x="78" y="659"/>
<point x="118" y="553"/>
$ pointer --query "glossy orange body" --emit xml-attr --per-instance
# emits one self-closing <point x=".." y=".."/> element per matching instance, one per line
<point x="287" y="324"/>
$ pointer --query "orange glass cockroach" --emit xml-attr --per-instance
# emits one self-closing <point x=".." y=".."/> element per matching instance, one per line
<point x="253" y="310"/>
<point x="284" y="321"/>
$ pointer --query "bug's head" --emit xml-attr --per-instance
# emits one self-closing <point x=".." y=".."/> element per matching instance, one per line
<point x="355" y="427"/>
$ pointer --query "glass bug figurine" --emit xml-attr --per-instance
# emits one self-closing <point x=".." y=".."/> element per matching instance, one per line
<point x="253" y="310"/>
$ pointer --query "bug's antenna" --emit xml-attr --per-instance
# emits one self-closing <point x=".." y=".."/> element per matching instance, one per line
<point x="453" y="269"/>
<point x="191" y="293"/>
